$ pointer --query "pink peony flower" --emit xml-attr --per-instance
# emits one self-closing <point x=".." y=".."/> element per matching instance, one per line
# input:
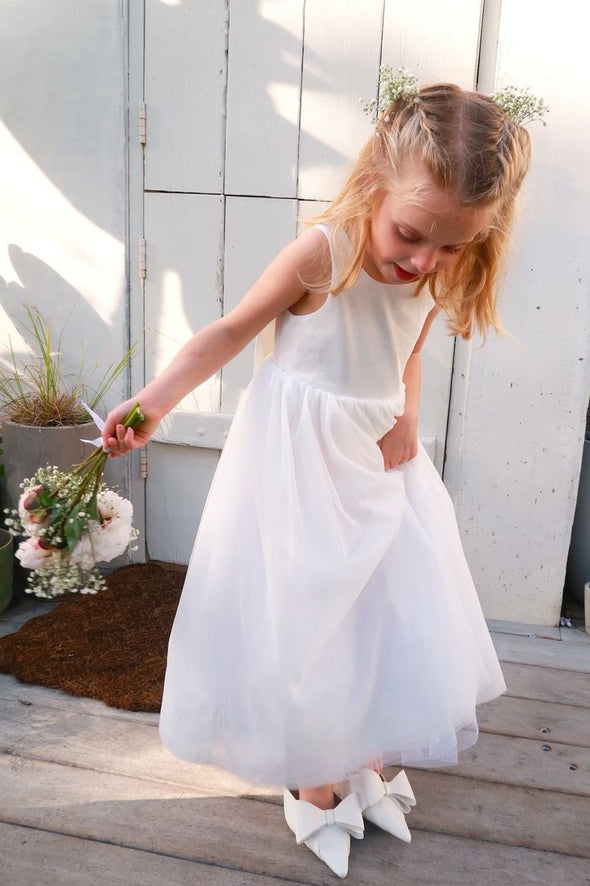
<point x="32" y="516"/>
<point x="33" y="556"/>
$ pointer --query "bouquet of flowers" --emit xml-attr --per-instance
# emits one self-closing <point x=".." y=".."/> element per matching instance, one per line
<point x="72" y="521"/>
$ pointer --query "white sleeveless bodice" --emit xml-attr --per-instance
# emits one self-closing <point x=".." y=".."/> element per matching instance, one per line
<point x="357" y="344"/>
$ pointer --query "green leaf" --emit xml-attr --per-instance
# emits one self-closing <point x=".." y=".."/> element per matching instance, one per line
<point x="92" y="509"/>
<point x="73" y="527"/>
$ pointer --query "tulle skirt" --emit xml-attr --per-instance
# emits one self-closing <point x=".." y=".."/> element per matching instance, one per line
<point x="328" y="616"/>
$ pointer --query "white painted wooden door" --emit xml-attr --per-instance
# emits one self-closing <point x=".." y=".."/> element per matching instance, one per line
<point x="253" y="117"/>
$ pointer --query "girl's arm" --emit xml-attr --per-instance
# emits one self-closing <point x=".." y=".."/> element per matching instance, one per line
<point x="279" y="287"/>
<point x="400" y="444"/>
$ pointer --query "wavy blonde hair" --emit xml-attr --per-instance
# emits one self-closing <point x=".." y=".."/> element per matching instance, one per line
<point x="471" y="149"/>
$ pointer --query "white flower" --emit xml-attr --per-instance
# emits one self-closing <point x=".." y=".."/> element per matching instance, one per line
<point x="106" y="540"/>
<point x="83" y="552"/>
<point x="111" y="506"/>
<point x="33" y="556"/>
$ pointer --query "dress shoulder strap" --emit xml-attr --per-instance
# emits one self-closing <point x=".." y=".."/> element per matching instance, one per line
<point x="340" y="251"/>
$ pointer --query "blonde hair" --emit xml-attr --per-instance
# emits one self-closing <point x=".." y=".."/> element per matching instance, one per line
<point x="471" y="149"/>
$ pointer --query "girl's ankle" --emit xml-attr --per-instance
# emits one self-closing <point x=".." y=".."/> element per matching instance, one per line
<point x="322" y="797"/>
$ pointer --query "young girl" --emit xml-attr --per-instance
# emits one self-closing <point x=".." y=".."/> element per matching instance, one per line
<point x="329" y="624"/>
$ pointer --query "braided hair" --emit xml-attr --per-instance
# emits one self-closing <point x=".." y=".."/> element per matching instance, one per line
<point x="471" y="149"/>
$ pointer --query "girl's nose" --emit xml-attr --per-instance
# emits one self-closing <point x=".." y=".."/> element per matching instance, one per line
<point x="424" y="260"/>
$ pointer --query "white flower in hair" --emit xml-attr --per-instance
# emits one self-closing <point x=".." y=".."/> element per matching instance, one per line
<point x="393" y="85"/>
<point x="521" y="105"/>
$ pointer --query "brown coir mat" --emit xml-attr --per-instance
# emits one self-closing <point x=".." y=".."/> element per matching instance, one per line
<point x="110" y="646"/>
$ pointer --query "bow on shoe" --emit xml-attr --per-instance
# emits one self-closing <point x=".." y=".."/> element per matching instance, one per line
<point x="374" y="788"/>
<point x="347" y="815"/>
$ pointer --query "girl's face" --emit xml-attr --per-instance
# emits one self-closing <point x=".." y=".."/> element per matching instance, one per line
<point x="419" y="229"/>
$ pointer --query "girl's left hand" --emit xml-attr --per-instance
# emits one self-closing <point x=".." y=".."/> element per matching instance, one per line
<point x="400" y="444"/>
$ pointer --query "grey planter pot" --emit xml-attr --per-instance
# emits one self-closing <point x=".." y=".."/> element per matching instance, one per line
<point x="578" y="563"/>
<point x="6" y="569"/>
<point x="27" y="448"/>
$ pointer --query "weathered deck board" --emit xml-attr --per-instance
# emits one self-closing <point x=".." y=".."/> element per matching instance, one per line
<point x="21" y="611"/>
<point x="522" y="629"/>
<point x="547" y="684"/>
<point x="523" y="762"/>
<point x="519" y="816"/>
<point x="544" y="652"/>
<point x="112" y="805"/>
<point x="30" y="857"/>
<point x="134" y="749"/>
<point x="12" y="690"/>
<point x="536" y="720"/>
<point x="575" y="634"/>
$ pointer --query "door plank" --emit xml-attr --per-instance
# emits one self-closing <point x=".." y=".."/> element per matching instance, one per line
<point x="436" y="41"/>
<point x="185" y="81"/>
<point x="256" y="230"/>
<point x="340" y="64"/>
<point x="184" y="234"/>
<point x="263" y="98"/>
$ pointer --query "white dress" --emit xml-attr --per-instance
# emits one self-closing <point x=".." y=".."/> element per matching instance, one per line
<point x="328" y="616"/>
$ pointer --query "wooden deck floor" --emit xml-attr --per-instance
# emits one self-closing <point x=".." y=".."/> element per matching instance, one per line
<point x="89" y="796"/>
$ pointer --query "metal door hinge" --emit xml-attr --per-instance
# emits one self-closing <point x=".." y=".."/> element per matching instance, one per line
<point x="142" y="123"/>
<point x="143" y="463"/>
<point x="142" y="258"/>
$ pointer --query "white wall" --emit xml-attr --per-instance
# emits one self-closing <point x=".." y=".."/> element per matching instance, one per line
<point x="63" y="176"/>
<point x="519" y="406"/>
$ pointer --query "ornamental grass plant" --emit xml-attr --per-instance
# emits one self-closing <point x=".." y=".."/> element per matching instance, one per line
<point x="34" y="389"/>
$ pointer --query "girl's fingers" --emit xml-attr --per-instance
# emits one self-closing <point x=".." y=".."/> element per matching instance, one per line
<point x="122" y="443"/>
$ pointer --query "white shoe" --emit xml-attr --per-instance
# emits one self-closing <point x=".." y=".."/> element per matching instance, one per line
<point x="327" y="833"/>
<point x="385" y="803"/>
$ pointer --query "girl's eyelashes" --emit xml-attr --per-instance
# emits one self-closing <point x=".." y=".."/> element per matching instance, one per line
<point x="407" y="238"/>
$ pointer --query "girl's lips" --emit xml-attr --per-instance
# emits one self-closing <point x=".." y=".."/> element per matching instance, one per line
<point x="404" y="275"/>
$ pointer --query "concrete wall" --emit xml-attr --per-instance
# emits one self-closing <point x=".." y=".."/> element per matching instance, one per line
<point x="63" y="177"/>
<point x="519" y="405"/>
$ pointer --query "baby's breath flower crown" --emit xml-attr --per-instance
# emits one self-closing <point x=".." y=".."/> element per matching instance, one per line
<point x="391" y="87"/>
<point x="519" y="105"/>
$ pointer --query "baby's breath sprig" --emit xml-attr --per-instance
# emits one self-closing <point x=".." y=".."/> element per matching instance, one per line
<point x="392" y="86"/>
<point x="521" y="105"/>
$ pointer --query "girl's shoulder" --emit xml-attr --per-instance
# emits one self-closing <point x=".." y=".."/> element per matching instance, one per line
<point x="314" y="254"/>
